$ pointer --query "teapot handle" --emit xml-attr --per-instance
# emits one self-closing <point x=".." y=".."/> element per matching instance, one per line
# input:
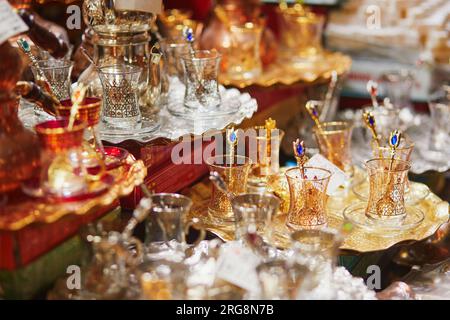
<point x="202" y="230"/>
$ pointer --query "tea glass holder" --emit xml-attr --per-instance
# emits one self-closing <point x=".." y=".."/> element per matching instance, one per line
<point x="308" y="197"/>
<point x="234" y="171"/>
<point x="64" y="175"/>
<point x="385" y="208"/>
<point x="120" y="96"/>
<point x="58" y="74"/>
<point x="265" y="155"/>
<point x="334" y="141"/>
<point x="243" y="60"/>
<point x="254" y="212"/>
<point x="168" y="219"/>
<point x="201" y="69"/>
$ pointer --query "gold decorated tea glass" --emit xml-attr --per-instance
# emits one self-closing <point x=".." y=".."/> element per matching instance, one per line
<point x="234" y="171"/>
<point x="308" y="197"/>
<point x="243" y="60"/>
<point x="120" y="95"/>
<point x="387" y="179"/>
<point x="201" y="68"/>
<point x="168" y="218"/>
<point x="254" y="212"/>
<point x="334" y="140"/>
<point x="301" y="34"/>
<point x="58" y="74"/>
<point x="265" y="155"/>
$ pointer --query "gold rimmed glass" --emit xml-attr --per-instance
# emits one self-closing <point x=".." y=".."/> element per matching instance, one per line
<point x="387" y="179"/>
<point x="234" y="171"/>
<point x="308" y="197"/>
<point x="243" y="60"/>
<point x="334" y="141"/>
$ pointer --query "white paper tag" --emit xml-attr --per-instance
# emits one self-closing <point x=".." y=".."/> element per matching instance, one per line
<point x="153" y="6"/>
<point x="338" y="177"/>
<point x="237" y="265"/>
<point x="10" y="22"/>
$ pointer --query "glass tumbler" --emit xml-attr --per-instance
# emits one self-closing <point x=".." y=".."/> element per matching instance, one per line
<point x="301" y="35"/>
<point x="308" y="197"/>
<point x="234" y="171"/>
<point x="334" y="140"/>
<point x="168" y="218"/>
<point x="243" y="55"/>
<point x="120" y="96"/>
<point x="387" y="178"/>
<point x="58" y="74"/>
<point x="201" y="69"/>
<point x="172" y="50"/>
<point x="439" y="105"/>
<point x="254" y="211"/>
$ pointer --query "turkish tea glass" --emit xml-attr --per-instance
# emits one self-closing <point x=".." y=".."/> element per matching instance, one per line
<point x="168" y="218"/>
<point x="301" y="35"/>
<point x="334" y="140"/>
<point x="172" y="50"/>
<point x="317" y="250"/>
<point x="387" y="178"/>
<point x="439" y="105"/>
<point x="234" y="171"/>
<point x="58" y="74"/>
<point x="308" y="197"/>
<point x="274" y="280"/>
<point x="201" y="68"/>
<point x="120" y="96"/>
<point x="264" y="150"/>
<point x="243" y="61"/>
<point x="254" y="212"/>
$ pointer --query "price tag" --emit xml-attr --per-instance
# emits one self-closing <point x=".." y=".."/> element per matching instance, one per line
<point x="338" y="177"/>
<point x="10" y="22"/>
<point x="153" y="6"/>
<point x="237" y="265"/>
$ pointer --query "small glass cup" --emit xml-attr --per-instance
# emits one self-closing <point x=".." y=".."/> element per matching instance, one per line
<point x="58" y="74"/>
<point x="120" y="96"/>
<point x="172" y="50"/>
<point x="274" y="280"/>
<point x="234" y="171"/>
<point x="386" y="119"/>
<point x="301" y="35"/>
<point x="387" y="178"/>
<point x="318" y="251"/>
<point x="397" y="86"/>
<point x="243" y="60"/>
<point x="168" y="218"/>
<point x="255" y="210"/>
<point x="439" y="105"/>
<point x="265" y="155"/>
<point x="201" y="68"/>
<point x="334" y="142"/>
<point x="308" y="197"/>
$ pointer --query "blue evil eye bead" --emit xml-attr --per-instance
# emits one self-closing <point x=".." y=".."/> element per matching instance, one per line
<point x="394" y="140"/>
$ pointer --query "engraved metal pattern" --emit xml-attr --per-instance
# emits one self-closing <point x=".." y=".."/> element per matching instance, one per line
<point x="120" y="99"/>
